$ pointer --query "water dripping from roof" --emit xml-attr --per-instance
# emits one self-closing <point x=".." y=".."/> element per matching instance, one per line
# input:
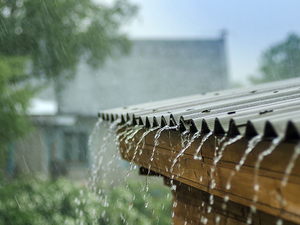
<point x="251" y="145"/>
<point x="291" y="164"/>
<point x="201" y="144"/>
<point x="275" y="142"/>
<point x="156" y="138"/>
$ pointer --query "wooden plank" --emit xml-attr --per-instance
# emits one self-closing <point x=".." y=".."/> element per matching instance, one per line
<point x="192" y="206"/>
<point x="197" y="173"/>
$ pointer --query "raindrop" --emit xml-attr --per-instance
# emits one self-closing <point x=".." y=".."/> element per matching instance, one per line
<point x="6" y="11"/>
<point x="226" y="198"/>
<point x="218" y="218"/>
<point x="174" y="204"/>
<point x="224" y="206"/>
<point x="211" y="199"/>
<point x="19" y="3"/>
<point x="173" y="187"/>
<point x="18" y="30"/>
<point x="209" y="209"/>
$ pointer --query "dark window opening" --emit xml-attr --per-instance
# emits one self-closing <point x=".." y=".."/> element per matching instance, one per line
<point x="75" y="147"/>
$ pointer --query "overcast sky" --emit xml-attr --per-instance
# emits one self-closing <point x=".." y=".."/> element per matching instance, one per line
<point x="252" y="25"/>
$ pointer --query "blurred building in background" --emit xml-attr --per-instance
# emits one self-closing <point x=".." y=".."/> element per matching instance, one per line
<point x="154" y="70"/>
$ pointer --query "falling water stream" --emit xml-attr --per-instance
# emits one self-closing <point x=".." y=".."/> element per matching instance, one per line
<point x="157" y="136"/>
<point x="291" y="165"/>
<point x="128" y="134"/>
<point x="218" y="157"/>
<point x="201" y="144"/>
<point x="251" y="145"/>
<point x="275" y="142"/>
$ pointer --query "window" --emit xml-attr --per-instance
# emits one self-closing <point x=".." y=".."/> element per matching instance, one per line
<point x="75" y="147"/>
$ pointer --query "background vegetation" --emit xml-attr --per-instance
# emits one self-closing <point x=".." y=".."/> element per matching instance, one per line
<point x="45" y="41"/>
<point x="29" y="201"/>
<point x="280" y="61"/>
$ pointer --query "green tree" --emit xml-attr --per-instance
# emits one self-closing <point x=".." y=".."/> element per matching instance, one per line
<point x="14" y="99"/>
<point x="280" y="61"/>
<point x="56" y="35"/>
<point x="47" y="39"/>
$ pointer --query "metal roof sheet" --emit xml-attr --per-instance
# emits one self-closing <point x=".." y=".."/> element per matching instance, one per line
<point x="270" y="109"/>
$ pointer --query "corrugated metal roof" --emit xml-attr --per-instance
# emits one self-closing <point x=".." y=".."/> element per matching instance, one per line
<point x="271" y="110"/>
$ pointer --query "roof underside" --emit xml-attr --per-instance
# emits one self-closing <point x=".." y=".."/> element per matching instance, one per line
<point x="270" y="110"/>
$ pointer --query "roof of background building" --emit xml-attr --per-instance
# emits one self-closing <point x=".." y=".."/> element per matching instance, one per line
<point x="155" y="69"/>
<point x="271" y="110"/>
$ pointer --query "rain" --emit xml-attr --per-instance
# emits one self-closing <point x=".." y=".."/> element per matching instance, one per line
<point x="144" y="112"/>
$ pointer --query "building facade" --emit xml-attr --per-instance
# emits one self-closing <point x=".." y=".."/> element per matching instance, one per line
<point x="154" y="70"/>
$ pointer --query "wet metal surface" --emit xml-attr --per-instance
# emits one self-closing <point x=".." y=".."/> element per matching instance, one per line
<point x="271" y="110"/>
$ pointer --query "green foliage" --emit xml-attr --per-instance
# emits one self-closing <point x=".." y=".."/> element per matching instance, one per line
<point x="13" y="102"/>
<point x="280" y="61"/>
<point x="32" y="201"/>
<point x="56" y="34"/>
<point x="47" y="39"/>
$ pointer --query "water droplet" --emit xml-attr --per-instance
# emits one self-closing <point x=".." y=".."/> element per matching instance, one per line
<point x="6" y="11"/>
<point x="174" y="204"/>
<point x="218" y="218"/>
<point x="228" y="186"/>
<point x="226" y="198"/>
<point x="209" y="209"/>
<point x="249" y="221"/>
<point x="19" y="3"/>
<point x="173" y="188"/>
<point x="18" y="30"/>
<point x="279" y="222"/>
<point x="211" y="199"/>
<point x="224" y="206"/>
